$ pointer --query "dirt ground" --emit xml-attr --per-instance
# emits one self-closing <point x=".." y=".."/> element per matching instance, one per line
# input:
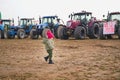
<point x="74" y="60"/>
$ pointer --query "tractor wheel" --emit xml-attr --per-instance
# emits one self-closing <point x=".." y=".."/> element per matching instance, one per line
<point x="10" y="34"/>
<point x="55" y="31"/>
<point x="119" y="32"/>
<point x="63" y="33"/>
<point x="1" y="34"/>
<point x="101" y="35"/>
<point x="21" y="33"/>
<point x="94" y="31"/>
<point x="109" y="36"/>
<point x="80" y="32"/>
<point x="5" y="34"/>
<point x="33" y="34"/>
<point x="58" y="30"/>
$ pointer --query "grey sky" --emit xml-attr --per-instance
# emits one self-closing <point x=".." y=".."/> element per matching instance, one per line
<point x="62" y="8"/>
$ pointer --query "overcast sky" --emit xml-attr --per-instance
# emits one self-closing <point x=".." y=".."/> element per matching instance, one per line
<point x="62" y="8"/>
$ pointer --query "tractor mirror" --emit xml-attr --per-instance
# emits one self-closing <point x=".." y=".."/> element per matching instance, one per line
<point x="69" y="16"/>
<point x="103" y="15"/>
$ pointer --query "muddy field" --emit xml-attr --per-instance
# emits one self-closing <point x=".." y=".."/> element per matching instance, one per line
<point x="74" y="60"/>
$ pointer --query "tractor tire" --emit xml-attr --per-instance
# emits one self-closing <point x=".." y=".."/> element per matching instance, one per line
<point x="5" y="34"/>
<point x="109" y="36"/>
<point x="63" y="33"/>
<point x="1" y="34"/>
<point x="80" y="32"/>
<point x="94" y="31"/>
<point x="101" y="35"/>
<point x="10" y="36"/>
<point x="33" y="34"/>
<point x="21" y="34"/>
<point x="119" y="32"/>
<point x="55" y="32"/>
<point x="58" y="31"/>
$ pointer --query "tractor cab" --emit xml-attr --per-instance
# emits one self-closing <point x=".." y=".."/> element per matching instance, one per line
<point x="81" y="18"/>
<point x="26" y="23"/>
<point x="51" y="21"/>
<point x="5" y="26"/>
<point x="113" y="16"/>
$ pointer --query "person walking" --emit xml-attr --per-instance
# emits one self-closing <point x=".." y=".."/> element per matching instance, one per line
<point x="49" y="43"/>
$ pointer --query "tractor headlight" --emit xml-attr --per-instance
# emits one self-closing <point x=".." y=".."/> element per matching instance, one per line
<point x="69" y="24"/>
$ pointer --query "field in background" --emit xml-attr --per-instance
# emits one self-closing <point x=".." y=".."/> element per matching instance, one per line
<point x="74" y="60"/>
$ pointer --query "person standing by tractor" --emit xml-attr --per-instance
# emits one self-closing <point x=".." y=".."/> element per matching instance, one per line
<point x="49" y="43"/>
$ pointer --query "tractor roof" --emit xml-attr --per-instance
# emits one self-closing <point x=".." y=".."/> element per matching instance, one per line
<point x="81" y="13"/>
<point x="27" y="19"/>
<point x="5" y="20"/>
<point x="114" y="13"/>
<point x="50" y="17"/>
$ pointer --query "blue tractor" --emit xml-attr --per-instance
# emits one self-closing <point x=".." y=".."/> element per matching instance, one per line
<point x="6" y="26"/>
<point x="25" y="26"/>
<point x="53" y="22"/>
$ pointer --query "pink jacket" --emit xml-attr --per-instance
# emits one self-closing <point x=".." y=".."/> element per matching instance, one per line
<point x="50" y="34"/>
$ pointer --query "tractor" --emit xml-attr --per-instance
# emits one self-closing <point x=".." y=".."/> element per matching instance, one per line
<point x="5" y="26"/>
<point x="25" y="26"/>
<point x="80" y="25"/>
<point x="53" y="22"/>
<point x="110" y="27"/>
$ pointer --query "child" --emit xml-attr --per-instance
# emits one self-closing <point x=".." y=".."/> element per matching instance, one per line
<point x="49" y="44"/>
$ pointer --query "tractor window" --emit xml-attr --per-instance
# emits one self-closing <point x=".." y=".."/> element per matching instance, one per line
<point x="88" y="17"/>
<point x="29" y="22"/>
<point x="83" y="17"/>
<point x="76" y="17"/>
<point x="115" y="17"/>
<point x="46" y="20"/>
<point x="55" y="21"/>
<point x="49" y="20"/>
<point x="23" y="22"/>
<point x="6" y="22"/>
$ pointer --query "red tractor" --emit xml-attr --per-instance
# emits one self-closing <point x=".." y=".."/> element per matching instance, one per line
<point x="82" y="24"/>
<point x="110" y="26"/>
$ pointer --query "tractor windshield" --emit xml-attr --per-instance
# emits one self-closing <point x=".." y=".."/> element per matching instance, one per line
<point x="46" y="20"/>
<point x="6" y="22"/>
<point x="86" y="16"/>
<point x="115" y="17"/>
<point x="25" y="22"/>
<point x="76" y="17"/>
<point x="82" y="17"/>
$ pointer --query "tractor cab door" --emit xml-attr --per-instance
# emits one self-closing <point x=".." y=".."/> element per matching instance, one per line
<point x="28" y="24"/>
<point x="83" y="20"/>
